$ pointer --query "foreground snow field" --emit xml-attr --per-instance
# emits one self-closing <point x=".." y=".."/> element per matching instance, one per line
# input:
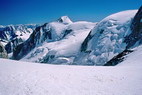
<point x="21" y="78"/>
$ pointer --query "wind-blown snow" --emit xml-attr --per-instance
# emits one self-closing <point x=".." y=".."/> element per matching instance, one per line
<point x="21" y="78"/>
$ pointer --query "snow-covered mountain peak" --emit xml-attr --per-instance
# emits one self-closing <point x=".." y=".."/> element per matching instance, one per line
<point x="65" y="20"/>
<point x="107" y="39"/>
<point x="54" y="40"/>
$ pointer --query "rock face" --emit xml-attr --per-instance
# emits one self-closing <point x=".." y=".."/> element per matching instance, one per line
<point x="119" y="58"/>
<point x="3" y="53"/>
<point x="135" y="38"/>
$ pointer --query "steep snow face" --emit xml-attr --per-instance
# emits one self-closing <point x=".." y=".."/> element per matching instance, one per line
<point x="21" y="78"/>
<point x="106" y="39"/>
<point x="62" y="51"/>
<point x="65" y="20"/>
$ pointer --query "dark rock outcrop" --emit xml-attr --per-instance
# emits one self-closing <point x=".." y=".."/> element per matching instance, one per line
<point x="67" y="32"/>
<point x="3" y="53"/>
<point x="84" y="44"/>
<point x="136" y="27"/>
<point x="119" y="58"/>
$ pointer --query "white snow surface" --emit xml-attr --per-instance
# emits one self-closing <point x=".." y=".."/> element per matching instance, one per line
<point x="23" y="32"/>
<point x="21" y="78"/>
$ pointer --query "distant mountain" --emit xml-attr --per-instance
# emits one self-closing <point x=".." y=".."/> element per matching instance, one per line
<point x="11" y="31"/>
<point x="12" y="35"/>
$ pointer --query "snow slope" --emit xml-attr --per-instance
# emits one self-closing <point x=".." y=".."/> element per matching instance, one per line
<point x="21" y="78"/>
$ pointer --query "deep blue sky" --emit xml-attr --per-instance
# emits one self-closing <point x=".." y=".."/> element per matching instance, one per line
<point x="41" y="11"/>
